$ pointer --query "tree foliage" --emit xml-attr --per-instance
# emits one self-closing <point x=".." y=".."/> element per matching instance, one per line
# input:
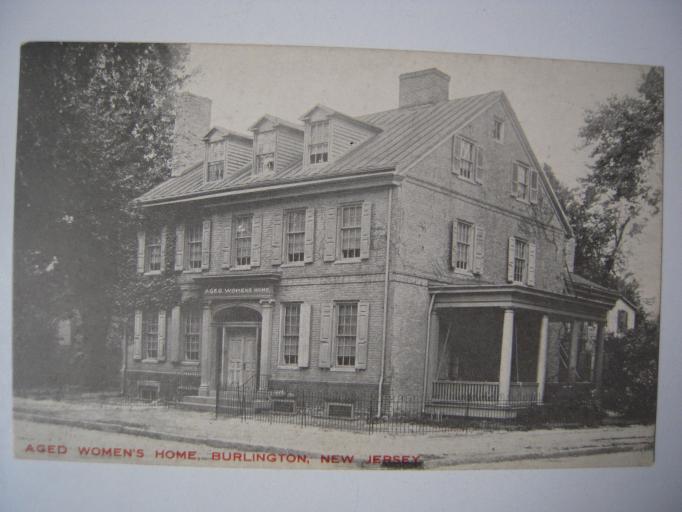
<point x="623" y="135"/>
<point x="631" y="372"/>
<point x="94" y="132"/>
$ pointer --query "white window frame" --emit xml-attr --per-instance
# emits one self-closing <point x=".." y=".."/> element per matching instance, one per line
<point x="236" y="237"/>
<point x="350" y="347"/>
<point x="215" y="161"/>
<point x="288" y="336"/>
<point x="524" y="258"/>
<point x="354" y="229"/>
<point x="189" y="244"/>
<point x="298" y="234"/>
<point x="190" y="338"/>
<point x="318" y="147"/>
<point x="150" y="318"/>
<point x="521" y="169"/>
<point x="468" y="244"/>
<point x="469" y="162"/>
<point x="148" y="246"/>
<point x="498" y="134"/>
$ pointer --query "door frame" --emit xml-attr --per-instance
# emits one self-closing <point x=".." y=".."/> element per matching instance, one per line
<point x="220" y="330"/>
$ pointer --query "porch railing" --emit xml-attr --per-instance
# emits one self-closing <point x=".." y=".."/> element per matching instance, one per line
<point x="464" y="391"/>
<point x="472" y="391"/>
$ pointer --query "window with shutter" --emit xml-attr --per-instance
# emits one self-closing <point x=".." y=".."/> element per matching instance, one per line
<point x="194" y="235"/>
<point x="153" y="252"/>
<point x="242" y="240"/>
<point x="191" y="334"/>
<point x="290" y="334"/>
<point x="520" y="182"/>
<point x="150" y="334"/>
<point x="295" y="235"/>
<point x="350" y="231"/>
<point x="534" y="186"/>
<point x="346" y="334"/>
<point x="462" y="251"/>
<point x="498" y="129"/>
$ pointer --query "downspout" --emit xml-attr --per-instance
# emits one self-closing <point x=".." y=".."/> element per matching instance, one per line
<point x="428" y="350"/>
<point x="385" y="320"/>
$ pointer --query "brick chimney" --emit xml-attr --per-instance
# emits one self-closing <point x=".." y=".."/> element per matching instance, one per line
<point x="422" y="87"/>
<point x="192" y="122"/>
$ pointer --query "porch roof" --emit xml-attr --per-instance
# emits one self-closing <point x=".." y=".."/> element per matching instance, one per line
<point x="592" y="308"/>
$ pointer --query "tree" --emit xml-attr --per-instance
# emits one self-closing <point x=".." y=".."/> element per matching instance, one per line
<point x="94" y="132"/>
<point x="624" y="135"/>
<point x="631" y="372"/>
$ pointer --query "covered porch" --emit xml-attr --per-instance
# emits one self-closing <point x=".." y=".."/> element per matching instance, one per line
<point x="502" y="347"/>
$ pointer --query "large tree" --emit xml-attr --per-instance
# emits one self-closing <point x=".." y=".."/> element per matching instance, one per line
<point x="94" y="131"/>
<point x="624" y="137"/>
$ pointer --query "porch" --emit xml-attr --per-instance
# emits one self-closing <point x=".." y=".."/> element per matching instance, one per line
<point x="498" y="349"/>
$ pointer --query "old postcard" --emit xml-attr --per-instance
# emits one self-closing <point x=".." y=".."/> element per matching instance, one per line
<point x="300" y="257"/>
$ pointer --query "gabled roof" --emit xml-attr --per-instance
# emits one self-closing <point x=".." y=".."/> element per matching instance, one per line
<point x="335" y="113"/>
<point x="276" y="121"/>
<point x="224" y="132"/>
<point x="407" y="135"/>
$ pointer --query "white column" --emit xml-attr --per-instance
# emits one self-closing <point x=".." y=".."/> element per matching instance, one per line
<point x="573" y="354"/>
<point x="599" y="360"/>
<point x="432" y="357"/>
<point x="506" y="355"/>
<point x="265" y="342"/>
<point x="542" y="358"/>
<point x="207" y="355"/>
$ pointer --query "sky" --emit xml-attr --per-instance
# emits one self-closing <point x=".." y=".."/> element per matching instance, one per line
<point x="550" y="98"/>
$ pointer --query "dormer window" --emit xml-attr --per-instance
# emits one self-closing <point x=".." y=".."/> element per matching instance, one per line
<point x="216" y="161"/>
<point x="265" y="153"/>
<point x="318" y="149"/>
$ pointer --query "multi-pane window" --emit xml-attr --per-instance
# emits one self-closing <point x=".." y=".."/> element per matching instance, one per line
<point x="295" y="235"/>
<point x="520" y="260"/>
<point x="466" y="159"/>
<point x="242" y="240"/>
<point x="521" y="181"/>
<point x="498" y="129"/>
<point x="216" y="161"/>
<point x="319" y="142"/>
<point x="350" y="231"/>
<point x="153" y="252"/>
<point x="292" y="316"/>
<point x="265" y="152"/>
<point x="150" y="334"/>
<point x="346" y="334"/>
<point x="463" y="253"/>
<point x="194" y="237"/>
<point x="192" y="334"/>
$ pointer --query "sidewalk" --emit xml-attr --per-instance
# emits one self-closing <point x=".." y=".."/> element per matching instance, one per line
<point x="436" y="449"/>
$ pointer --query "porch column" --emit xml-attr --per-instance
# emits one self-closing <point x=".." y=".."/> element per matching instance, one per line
<point x="542" y="358"/>
<point x="599" y="360"/>
<point x="573" y="354"/>
<point x="506" y="356"/>
<point x="432" y="356"/>
<point x="206" y="350"/>
<point x="265" y="343"/>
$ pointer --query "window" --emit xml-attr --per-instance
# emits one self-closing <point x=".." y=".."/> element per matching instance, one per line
<point x="194" y="237"/>
<point x="622" y="321"/>
<point x="346" y="334"/>
<point x="467" y="157"/>
<point x="350" y="231"/>
<point x="520" y="260"/>
<point x="192" y="334"/>
<point x="150" y="334"/>
<point x="498" y="130"/>
<point x="295" y="235"/>
<point x="243" y="241"/>
<point x="520" y="181"/>
<point x="463" y="253"/>
<point x="216" y="161"/>
<point x="318" y="148"/>
<point x="265" y="152"/>
<point x="292" y="316"/>
<point x="153" y="252"/>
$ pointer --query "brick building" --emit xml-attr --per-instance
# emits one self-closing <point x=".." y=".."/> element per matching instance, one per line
<point x="418" y="251"/>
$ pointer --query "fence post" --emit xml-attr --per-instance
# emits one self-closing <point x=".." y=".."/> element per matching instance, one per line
<point x="370" y="417"/>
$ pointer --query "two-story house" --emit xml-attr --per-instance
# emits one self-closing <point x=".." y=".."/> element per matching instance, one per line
<point x="414" y="252"/>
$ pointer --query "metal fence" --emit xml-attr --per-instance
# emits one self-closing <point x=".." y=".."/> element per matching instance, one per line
<point x="359" y="412"/>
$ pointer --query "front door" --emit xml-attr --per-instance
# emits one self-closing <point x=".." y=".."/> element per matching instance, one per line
<point x="239" y="356"/>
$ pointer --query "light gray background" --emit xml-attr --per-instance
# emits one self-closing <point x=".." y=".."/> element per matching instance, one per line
<point x="641" y="32"/>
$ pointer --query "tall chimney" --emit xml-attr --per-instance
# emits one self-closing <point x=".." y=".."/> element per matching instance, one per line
<point x="422" y="87"/>
<point x="192" y="122"/>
